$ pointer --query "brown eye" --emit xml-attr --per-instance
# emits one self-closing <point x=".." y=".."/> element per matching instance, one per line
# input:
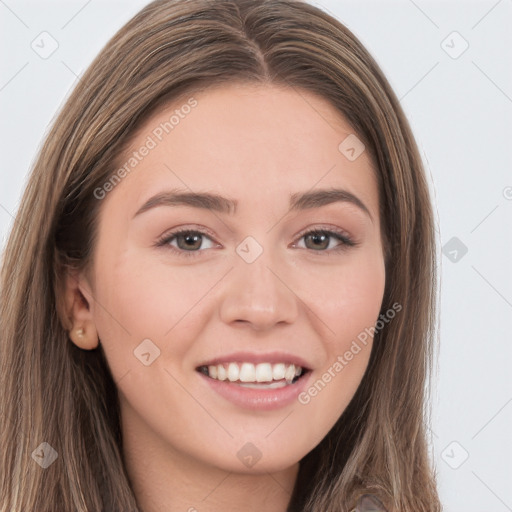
<point x="319" y="240"/>
<point x="190" y="241"/>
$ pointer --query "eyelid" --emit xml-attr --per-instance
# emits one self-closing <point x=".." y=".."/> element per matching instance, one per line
<point x="325" y="227"/>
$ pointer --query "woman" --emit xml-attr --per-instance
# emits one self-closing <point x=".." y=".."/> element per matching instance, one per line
<point x="142" y="370"/>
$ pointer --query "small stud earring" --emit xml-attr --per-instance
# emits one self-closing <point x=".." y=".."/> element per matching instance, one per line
<point x="80" y="332"/>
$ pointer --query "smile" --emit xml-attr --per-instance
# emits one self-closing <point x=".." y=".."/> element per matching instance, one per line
<point x="248" y="374"/>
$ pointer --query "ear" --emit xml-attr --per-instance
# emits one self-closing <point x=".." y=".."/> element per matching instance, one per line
<point x="78" y="300"/>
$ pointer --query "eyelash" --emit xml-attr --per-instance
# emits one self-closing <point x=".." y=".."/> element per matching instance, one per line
<point x="346" y="241"/>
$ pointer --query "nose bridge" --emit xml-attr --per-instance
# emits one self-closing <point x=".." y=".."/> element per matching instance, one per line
<point x="256" y="292"/>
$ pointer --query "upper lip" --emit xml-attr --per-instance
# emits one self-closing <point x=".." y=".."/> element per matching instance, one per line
<point x="255" y="358"/>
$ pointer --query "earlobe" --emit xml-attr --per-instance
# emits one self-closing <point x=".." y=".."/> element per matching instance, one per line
<point x="79" y="301"/>
<point x="86" y="339"/>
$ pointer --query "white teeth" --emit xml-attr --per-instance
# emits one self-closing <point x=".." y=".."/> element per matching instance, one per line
<point x="260" y="373"/>
<point x="212" y="370"/>
<point x="233" y="372"/>
<point x="278" y="371"/>
<point x="290" y="373"/>
<point x="264" y="372"/>
<point x="247" y="373"/>
<point x="221" y="373"/>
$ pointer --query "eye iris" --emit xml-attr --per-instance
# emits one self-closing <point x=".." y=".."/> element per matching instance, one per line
<point x="316" y="237"/>
<point x="188" y="237"/>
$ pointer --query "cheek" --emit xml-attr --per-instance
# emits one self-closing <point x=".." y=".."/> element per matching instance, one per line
<point x="345" y="295"/>
<point x="140" y="301"/>
<point x="355" y="303"/>
<point x="353" y="312"/>
<point x="348" y="304"/>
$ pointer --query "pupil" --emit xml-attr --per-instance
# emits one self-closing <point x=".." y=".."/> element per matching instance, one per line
<point x="317" y="236"/>
<point x="190" y="239"/>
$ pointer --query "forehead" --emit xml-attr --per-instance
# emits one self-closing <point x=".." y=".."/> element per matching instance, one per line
<point x="251" y="140"/>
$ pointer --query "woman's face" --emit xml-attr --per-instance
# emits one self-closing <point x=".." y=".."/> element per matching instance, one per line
<point x="251" y="287"/>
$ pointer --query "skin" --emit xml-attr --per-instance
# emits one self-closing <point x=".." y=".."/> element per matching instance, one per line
<point x="257" y="144"/>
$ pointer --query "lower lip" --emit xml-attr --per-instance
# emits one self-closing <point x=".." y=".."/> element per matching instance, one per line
<point x="258" y="399"/>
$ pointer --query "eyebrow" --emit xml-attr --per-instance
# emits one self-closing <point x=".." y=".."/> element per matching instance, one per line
<point x="215" y="202"/>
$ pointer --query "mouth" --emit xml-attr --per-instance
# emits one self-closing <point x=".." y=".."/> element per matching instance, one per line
<point x="256" y="381"/>
<point x="263" y="375"/>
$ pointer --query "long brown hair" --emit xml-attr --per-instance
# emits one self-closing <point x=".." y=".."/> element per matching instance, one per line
<point x="53" y="392"/>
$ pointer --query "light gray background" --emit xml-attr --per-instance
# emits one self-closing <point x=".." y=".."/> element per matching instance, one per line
<point x="460" y="109"/>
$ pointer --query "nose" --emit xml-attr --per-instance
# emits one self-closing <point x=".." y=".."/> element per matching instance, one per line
<point x="257" y="295"/>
